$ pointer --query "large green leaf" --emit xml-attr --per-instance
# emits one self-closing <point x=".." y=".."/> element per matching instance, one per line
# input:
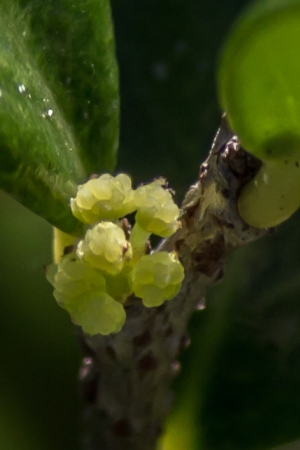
<point x="58" y="102"/>
<point x="39" y="162"/>
<point x="259" y="78"/>
<point x="74" y="47"/>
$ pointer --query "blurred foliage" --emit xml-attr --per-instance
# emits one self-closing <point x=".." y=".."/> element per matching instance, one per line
<point x="263" y="106"/>
<point x="242" y="369"/>
<point x="258" y="80"/>
<point x="39" y="407"/>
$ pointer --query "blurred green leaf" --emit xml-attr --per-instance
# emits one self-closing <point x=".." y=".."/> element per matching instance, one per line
<point x="40" y="357"/>
<point x="259" y="78"/>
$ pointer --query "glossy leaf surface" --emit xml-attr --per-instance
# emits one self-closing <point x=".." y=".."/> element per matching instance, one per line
<point x="58" y="102"/>
<point x="74" y="46"/>
<point x="39" y="162"/>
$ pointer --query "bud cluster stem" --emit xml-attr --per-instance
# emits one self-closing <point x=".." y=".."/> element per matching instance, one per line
<point x="138" y="240"/>
<point x="126" y="377"/>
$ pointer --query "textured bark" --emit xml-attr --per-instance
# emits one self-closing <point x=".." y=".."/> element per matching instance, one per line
<point x="125" y="378"/>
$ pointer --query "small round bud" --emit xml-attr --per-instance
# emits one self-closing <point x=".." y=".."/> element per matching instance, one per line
<point x="71" y="279"/>
<point x="104" y="198"/>
<point x="156" y="278"/>
<point x="272" y="196"/>
<point x="157" y="212"/>
<point x="81" y="290"/>
<point x="99" y="313"/>
<point x="105" y="248"/>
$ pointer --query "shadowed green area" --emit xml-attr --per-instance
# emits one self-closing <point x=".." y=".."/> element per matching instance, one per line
<point x="40" y="359"/>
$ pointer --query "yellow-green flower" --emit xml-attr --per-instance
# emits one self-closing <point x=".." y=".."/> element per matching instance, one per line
<point x="156" y="210"/>
<point x="104" y="198"/>
<point x="156" y="278"/>
<point x="99" y="313"/>
<point x="105" y="247"/>
<point x="81" y="291"/>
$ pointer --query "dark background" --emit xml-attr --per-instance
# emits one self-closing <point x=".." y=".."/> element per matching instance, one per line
<point x="243" y="367"/>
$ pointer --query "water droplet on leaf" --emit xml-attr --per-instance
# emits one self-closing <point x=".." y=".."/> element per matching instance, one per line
<point x="21" y="88"/>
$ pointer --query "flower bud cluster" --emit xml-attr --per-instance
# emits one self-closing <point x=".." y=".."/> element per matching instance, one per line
<point x="107" y="265"/>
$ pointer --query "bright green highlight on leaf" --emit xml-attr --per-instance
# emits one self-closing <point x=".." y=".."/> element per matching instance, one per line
<point x="259" y="78"/>
<point x="111" y="261"/>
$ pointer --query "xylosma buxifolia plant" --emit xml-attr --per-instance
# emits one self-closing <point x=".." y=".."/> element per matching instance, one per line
<point x="259" y="90"/>
<point x="93" y="277"/>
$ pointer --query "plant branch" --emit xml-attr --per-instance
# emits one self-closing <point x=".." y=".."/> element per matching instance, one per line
<point x="126" y="378"/>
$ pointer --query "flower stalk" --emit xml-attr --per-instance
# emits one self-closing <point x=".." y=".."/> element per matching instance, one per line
<point x="127" y="384"/>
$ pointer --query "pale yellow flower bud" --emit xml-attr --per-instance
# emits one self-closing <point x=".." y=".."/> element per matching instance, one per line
<point x="104" y="198"/>
<point x="99" y="313"/>
<point x="157" y="213"/>
<point x="105" y="248"/>
<point x="156" y="278"/>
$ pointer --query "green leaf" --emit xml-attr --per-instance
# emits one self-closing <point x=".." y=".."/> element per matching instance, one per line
<point x="74" y="45"/>
<point x="259" y="76"/>
<point x="59" y="106"/>
<point x="39" y="162"/>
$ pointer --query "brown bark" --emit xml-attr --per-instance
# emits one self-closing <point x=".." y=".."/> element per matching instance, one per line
<point x="126" y="377"/>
